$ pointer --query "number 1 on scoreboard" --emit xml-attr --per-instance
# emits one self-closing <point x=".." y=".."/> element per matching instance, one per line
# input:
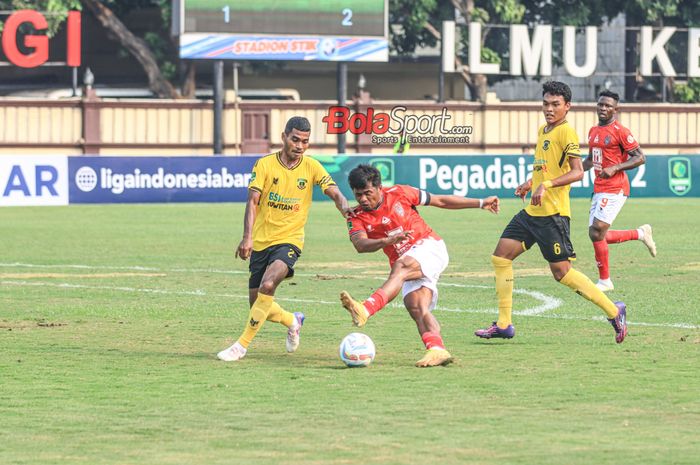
<point x="227" y="13"/>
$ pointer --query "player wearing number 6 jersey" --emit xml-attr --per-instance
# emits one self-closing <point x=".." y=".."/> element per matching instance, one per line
<point x="546" y="220"/>
<point x="612" y="150"/>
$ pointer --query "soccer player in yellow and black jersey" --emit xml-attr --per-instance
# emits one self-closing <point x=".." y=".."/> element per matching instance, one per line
<point x="545" y="221"/>
<point x="279" y="197"/>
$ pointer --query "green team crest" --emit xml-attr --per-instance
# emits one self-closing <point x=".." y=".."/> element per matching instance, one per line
<point x="301" y="183"/>
<point x="679" y="176"/>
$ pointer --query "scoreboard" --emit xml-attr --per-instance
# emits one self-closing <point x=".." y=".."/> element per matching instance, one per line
<point x="326" y="30"/>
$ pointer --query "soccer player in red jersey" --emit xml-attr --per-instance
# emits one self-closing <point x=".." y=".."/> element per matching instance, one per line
<point x="387" y="219"/>
<point x="612" y="150"/>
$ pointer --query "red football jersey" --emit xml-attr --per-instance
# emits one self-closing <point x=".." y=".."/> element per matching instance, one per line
<point x="395" y="214"/>
<point x="608" y="146"/>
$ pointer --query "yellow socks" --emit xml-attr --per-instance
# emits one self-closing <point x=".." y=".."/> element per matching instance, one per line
<point x="583" y="286"/>
<point x="258" y="314"/>
<point x="279" y="315"/>
<point x="504" y="289"/>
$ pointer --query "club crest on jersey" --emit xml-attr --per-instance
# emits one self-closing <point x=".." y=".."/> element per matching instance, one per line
<point x="398" y="209"/>
<point x="545" y="145"/>
<point x="630" y="139"/>
<point x="301" y="183"/>
<point x="607" y="140"/>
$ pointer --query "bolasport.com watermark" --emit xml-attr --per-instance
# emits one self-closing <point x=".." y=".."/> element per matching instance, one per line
<point x="389" y="128"/>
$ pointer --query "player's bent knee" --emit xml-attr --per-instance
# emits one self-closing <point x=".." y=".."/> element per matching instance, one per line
<point x="267" y="287"/>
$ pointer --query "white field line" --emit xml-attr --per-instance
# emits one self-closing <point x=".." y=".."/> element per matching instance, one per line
<point x="548" y="302"/>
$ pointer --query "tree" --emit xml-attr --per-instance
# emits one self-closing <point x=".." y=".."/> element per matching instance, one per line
<point x="136" y="46"/>
<point x="154" y="52"/>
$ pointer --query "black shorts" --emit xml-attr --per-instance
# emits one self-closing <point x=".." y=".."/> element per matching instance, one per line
<point x="551" y="233"/>
<point x="260" y="260"/>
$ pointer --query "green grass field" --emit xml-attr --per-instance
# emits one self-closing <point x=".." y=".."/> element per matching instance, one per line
<point x="111" y="316"/>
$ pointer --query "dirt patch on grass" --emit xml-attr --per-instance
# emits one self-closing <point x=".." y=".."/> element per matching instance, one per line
<point x="691" y="266"/>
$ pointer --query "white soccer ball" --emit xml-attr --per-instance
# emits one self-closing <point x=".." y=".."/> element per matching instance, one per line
<point x="357" y="350"/>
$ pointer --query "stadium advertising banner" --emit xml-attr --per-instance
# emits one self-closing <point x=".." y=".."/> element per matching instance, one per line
<point x="482" y="175"/>
<point x="33" y="180"/>
<point x="59" y="180"/>
<point x="159" y="179"/>
<point x="300" y="30"/>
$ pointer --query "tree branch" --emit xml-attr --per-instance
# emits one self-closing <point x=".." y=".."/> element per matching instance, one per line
<point x="137" y="48"/>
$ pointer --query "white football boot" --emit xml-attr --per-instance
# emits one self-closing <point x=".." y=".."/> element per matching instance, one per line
<point x="233" y="353"/>
<point x="605" y="285"/>
<point x="648" y="239"/>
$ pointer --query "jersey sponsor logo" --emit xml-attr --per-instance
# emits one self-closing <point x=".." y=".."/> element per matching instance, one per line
<point x="539" y="165"/>
<point x="275" y="180"/>
<point x="280" y="202"/>
<point x="630" y="139"/>
<point x="301" y="183"/>
<point x="595" y="141"/>
<point x="252" y="176"/>
<point x="385" y="220"/>
<point x="370" y="228"/>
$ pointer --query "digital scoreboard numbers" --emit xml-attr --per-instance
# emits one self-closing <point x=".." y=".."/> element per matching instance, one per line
<point x="326" y="30"/>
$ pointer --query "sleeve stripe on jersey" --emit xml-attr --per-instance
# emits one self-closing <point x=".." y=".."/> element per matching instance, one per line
<point x="424" y="198"/>
<point x="255" y="189"/>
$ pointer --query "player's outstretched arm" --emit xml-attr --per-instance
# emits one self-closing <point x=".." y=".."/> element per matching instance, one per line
<point x="363" y="244"/>
<point x="455" y="202"/>
<point x="245" y="248"/>
<point x="341" y="203"/>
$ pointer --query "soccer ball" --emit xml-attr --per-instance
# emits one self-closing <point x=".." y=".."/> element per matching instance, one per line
<point x="329" y="48"/>
<point x="357" y="350"/>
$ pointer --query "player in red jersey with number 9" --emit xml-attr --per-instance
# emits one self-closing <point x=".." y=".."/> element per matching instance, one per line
<point x="612" y="150"/>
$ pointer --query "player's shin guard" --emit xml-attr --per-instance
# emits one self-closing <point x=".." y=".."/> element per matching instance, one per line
<point x="602" y="259"/>
<point x="279" y="315"/>
<point x="256" y="318"/>
<point x="504" y="289"/>
<point x="584" y="287"/>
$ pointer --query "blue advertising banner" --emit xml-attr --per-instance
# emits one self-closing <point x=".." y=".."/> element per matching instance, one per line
<point x="59" y="180"/>
<point x="159" y="179"/>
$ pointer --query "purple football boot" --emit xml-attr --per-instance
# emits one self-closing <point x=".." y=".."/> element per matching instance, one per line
<point x="620" y="322"/>
<point x="494" y="331"/>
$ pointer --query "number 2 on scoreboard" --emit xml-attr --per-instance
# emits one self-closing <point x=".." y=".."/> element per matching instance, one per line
<point x="347" y="17"/>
